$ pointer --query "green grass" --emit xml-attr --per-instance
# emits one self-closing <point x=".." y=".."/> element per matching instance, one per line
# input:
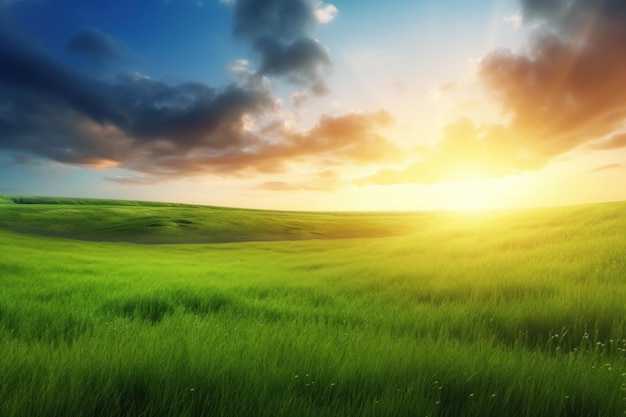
<point x="143" y="222"/>
<point x="424" y="314"/>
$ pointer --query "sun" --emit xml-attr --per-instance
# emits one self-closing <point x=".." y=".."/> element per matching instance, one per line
<point x="472" y="194"/>
<point x="470" y="205"/>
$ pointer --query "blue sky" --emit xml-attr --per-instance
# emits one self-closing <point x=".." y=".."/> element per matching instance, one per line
<point x="302" y="104"/>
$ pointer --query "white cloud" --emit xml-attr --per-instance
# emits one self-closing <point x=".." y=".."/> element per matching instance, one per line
<point x="139" y="76"/>
<point x="325" y="13"/>
<point x="240" y="66"/>
<point x="515" y="19"/>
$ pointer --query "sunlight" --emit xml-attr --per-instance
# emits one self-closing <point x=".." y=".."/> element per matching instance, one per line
<point x="470" y="195"/>
<point x="470" y="191"/>
<point x="470" y="205"/>
<point x="479" y="194"/>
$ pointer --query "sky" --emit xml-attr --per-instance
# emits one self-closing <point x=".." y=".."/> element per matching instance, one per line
<point x="307" y="105"/>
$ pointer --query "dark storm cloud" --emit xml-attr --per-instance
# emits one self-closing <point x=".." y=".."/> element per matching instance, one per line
<point x="163" y="131"/>
<point x="281" y="32"/>
<point x="190" y="113"/>
<point x="300" y="62"/>
<point x="39" y="91"/>
<point x="569" y="15"/>
<point x="351" y="138"/>
<point x="281" y="19"/>
<point x="96" y="45"/>
<point x="152" y="119"/>
<point x="25" y="66"/>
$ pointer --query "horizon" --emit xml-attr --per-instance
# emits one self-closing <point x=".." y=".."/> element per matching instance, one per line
<point x="304" y="105"/>
<point x="460" y="211"/>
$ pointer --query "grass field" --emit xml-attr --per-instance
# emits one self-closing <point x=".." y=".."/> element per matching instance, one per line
<point x="255" y="313"/>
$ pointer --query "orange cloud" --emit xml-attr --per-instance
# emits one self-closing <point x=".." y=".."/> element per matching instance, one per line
<point x="322" y="181"/>
<point x="606" y="167"/>
<point x="465" y="151"/>
<point x="566" y="91"/>
<point x="349" y="139"/>
<point x="613" y="142"/>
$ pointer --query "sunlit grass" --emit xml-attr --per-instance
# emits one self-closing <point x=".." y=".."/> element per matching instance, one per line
<point x="483" y="314"/>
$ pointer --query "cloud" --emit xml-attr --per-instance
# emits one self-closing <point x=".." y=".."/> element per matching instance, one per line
<point x="606" y="167"/>
<point x="564" y="92"/>
<point x="241" y="67"/>
<point x="355" y="137"/>
<point x="325" y="13"/>
<point x="298" y="98"/>
<point x="160" y="130"/>
<point x="301" y="62"/>
<point x="571" y="16"/>
<point x="465" y="152"/>
<point x="96" y="45"/>
<point x="515" y="19"/>
<point x="28" y="69"/>
<point x="333" y="141"/>
<point x="326" y="180"/>
<point x="614" y="142"/>
<point x="280" y="31"/>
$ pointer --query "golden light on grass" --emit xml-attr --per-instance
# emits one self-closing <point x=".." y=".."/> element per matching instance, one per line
<point x="278" y="314"/>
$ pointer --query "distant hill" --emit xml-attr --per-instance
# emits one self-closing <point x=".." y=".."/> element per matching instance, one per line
<point x="160" y="223"/>
<point x="153" y="222"/>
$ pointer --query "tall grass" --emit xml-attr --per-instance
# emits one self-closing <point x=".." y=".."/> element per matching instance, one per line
<point x="501" y="314"/>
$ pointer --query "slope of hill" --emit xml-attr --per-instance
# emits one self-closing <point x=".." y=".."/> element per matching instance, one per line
<point x="507" y="314"/>
<point x="147" y="222"/>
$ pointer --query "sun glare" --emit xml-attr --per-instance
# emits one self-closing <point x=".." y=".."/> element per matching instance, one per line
<point x="470" y="205"/>
<point x="475" y="194"/>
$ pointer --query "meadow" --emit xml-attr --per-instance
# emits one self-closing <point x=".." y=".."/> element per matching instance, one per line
<point x="117" y="308"/>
